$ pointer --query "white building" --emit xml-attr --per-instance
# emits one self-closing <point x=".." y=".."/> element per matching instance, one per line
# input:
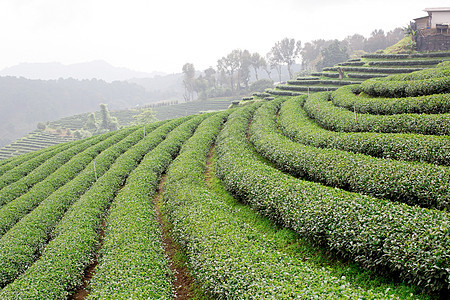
<point x="436" y="16"/>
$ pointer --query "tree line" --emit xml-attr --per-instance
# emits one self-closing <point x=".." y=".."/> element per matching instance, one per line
<point x="234" y="71"/>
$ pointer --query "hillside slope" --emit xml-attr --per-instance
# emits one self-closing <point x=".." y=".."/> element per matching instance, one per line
<point x="329" y="196"/>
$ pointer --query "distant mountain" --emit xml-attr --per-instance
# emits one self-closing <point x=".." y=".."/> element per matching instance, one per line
<point x="25" y="102"/>
<point x="98" y="69"/>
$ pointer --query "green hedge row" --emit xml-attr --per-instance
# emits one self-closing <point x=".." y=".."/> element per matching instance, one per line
<point x="412" y="183"/>
<point x="413" y="55"/>
<point x="408" y="88"/>
<point x="21" y="243"/>
<point x="308" y="78"/>
<point x="330" y="75"/>
<point x="404" y="62"/>
<point x="352" y="63"/>
<point x="340" y="119"/>
<point x="365" y="76"/>
<point x="375" y="70"/>
<point x="63" y="261"/>
<point x="306" y="88"/>
<point x="333" y="82"/>
<point x="295" y="124"/>
<point x="430" y="104"/>
<point x="10" y="163"/>
<point x="24" y="184"/>
<point x="441" y="70"/>
<point x="14" y="210"/>
<point x="231" y="257"/>
<point x="132" y="259"/>
<point x="411" y="242"/>
<point x="29" y="164"/>
<point x="284" y="93"/>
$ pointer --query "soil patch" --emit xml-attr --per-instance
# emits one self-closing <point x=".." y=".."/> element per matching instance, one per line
<point x="184" y="283"/>
<point x="81" y="293"/>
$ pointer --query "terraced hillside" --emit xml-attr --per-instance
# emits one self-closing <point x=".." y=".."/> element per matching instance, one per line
<point x="40" y="139"/>
<point x="339" y="195"/>
<point x="357" y="70"/>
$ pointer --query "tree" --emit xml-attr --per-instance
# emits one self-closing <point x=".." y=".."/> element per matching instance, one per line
<point x="229" y="65"/>
<point x="41" y="126"/>
<point x="210" y="77"/>
<point x="355" y="42"/>
<point x="108" y="123"/>
<point x="286" y="51"/>
<point x="146" y="115"/>
<point x="335" y="53"/>
<point x="188" y="81"/>
<point x="257" y="62"/>
<point x="311" y="53"/>
<point x="376" y="41"/>
<point x="244" y="68"/>
<point x="275" y="62"/>
<point x="91" y="123"/>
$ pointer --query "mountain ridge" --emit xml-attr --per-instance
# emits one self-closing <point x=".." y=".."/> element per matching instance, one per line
<point x="98" y="69"/>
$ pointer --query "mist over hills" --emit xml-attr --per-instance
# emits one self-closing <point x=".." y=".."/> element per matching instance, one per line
<point x="98" y="69"/>
<point x="25" y="102"/>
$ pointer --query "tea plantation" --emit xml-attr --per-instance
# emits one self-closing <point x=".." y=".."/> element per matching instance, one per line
<point x="334" y="195"/>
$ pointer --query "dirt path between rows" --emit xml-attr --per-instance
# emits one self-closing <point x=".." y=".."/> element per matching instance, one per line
<point x="184" y="282"/>
<point x="81" y="293"/>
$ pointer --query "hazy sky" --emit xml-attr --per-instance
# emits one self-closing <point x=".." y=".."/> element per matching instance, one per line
<point x="148" y="35"/>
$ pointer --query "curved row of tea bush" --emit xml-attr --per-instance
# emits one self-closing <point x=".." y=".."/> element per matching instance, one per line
<point x="365" y="75"/>
<point x="374" y="70"/>
<point x="400" y="56"/>
<point x="306" y="88"/>
<point x="28" y="165"/>
<point x="406" y="88"/>
<point x="332" y="82"/>
<point x="63" y="261"/>
<point x="27" y="183"/>
<point x="18" y="247"/>
<point x="412" y="183"/>
<point x="230" y="257"/>
<point x="421" y="62"/>
<point x="295" y="124"/>
<point x="132" y="259"/>
<point x="441" y="70"/>
<point x="429" y="104"/>
<point x="12" y="162"/>
<point x="340" y="119"/>
<point x="411" y="242"/>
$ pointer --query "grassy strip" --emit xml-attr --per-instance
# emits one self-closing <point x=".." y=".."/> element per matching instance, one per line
<point x="295" y="123"/>
<point x="63" y="261"/>
<point x="20" y="246"/>
<point x="24" y="184"/>
<point x="412" y="183"/>
<point x="228" y="254"/>
<point x="430" y="104"/>
<point x="410" y="242"/>
<point x="132" y="258"/>
<point x="340" y="119"/>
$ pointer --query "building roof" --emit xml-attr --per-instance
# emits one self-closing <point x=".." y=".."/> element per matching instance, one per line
<point x="437" y="9"/>
<point x="421" y="18"/>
